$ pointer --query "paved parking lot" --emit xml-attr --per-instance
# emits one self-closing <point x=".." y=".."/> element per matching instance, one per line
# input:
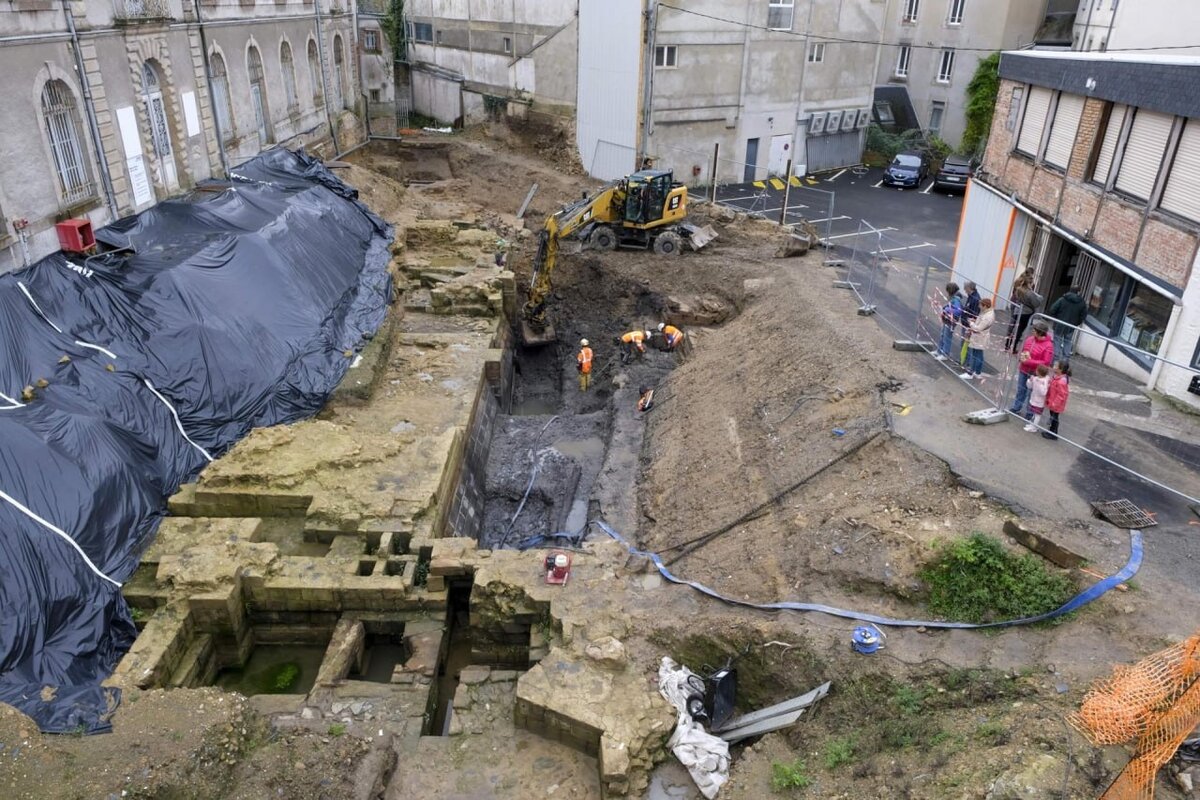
<point x="914" y="221"/>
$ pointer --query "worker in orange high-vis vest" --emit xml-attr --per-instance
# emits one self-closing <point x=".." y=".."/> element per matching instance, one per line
<point x="583" y="363"/>
<point x="672" y="335"/>
<point x="633" y="343"/>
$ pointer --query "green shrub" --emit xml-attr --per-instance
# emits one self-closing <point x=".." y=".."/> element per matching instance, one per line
<point x="977" y="580"/>
<point x="839" y="752"/>
<point x="337" y="729"/>
<point x="786" y="777"/>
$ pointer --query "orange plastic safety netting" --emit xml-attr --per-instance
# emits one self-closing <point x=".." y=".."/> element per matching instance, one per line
<point x="1155" y="703"/>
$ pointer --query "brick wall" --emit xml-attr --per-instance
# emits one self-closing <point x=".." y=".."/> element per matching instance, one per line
<point x="1117" y="227"/>
<point x="1018" y="174"/>
<point x="1044" y="191"/>
<point x="1167" y="251"/>
<point x="1085" y="137"/>
<point x="1167" y="248"/>
<point x="1079" y="206"/>
<point x="1000" y="139"/>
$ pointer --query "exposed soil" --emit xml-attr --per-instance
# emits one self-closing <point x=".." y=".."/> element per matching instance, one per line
<point x="779" y="414"/>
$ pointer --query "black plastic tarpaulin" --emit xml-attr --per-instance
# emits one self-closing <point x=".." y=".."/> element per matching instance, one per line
<point x="124" y="373"/>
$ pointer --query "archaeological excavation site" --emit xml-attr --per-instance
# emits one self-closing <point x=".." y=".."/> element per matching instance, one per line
<point x="419" y="562"/>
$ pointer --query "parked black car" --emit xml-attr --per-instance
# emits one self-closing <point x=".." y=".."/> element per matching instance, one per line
<point x="953" y="175"/>
<point x="907" y="169"/>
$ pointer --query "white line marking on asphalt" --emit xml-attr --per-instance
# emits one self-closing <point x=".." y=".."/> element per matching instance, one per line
<point x="877" y="184"/>
<point x="862" y="233"/>
<point x="738" y="199"/>
<point x="928" y="188"/>
<point x="1133" y="398"/>
<point x="827" y="219"/>
<point x="910" y="247"/>
<point x="833" y="178"/>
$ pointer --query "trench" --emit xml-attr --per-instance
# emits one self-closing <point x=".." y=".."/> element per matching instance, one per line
<point x="562" y="456"/>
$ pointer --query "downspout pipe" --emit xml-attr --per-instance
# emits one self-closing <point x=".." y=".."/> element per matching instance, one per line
<point x="110" y="197"/>
<point x="337" y="148"/>
<point x="648" y="82"/>
<point x="211" y="95"/>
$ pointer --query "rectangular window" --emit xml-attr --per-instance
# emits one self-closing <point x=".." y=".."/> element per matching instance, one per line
<point x="665" y="57"/>
<point x="1180" y="195"/>
<point x="1029" y="141"/>
<point x="507" y="44"/>
<point x="955" y="17"/>
<point x="1146" y="316"/>
<point x="374" y="93"/>
<point x="779" y="14"/>
<point x="816" y="52"/>
<point x="945" y="66"/>
<point x="1105" y="296"/>
<point x="371" y="41"/>
<point x="912" y="8"/>
<point x="1144" y="152"/>
<point x="1014" y="107"/>
<point x="1063" y="129"/>
<point x="1108" y="143"/>
<point x="902" y="59"/>
<point x="420" y="32"/>
<point x="936" y="115"/>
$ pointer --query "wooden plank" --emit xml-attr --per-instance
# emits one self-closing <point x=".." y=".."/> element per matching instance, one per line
<point x="801" y="702"/>
<point x="528" y="199"/>
<point x="1054" y="553"/>
<point x="759" y="728"/>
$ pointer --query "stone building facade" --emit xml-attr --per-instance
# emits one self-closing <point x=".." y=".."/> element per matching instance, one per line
<point x="938" y="45"/>
<point x="1091" y="178"/>
<point x="114" y="106"/>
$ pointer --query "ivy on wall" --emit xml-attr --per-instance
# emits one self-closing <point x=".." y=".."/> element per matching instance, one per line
<point x="396" y="31"/>
<point x="981" y="103"/>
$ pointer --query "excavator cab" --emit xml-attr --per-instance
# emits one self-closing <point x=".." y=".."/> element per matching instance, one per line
<point x="649" y="198"/>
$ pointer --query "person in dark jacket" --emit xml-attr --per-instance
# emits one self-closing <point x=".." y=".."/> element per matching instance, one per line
<point x="1025" y="302"/>
<point x="969" y="314"/>
<point x="1070" y="309"/>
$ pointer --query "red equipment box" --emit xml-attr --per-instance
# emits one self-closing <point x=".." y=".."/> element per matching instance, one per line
<point x="75" y="235"/>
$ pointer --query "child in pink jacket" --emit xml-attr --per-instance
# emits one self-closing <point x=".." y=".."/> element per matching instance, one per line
<point x="1039" y="387"/>
<point x="1056" y="396"/>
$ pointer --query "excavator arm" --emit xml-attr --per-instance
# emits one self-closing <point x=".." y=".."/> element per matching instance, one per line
<point x="600" y="207"/>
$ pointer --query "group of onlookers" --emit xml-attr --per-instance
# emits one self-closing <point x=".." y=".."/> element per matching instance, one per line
<point x="1043" y="382"/>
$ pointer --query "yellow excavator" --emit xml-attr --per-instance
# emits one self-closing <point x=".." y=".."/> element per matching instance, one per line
<point x="644" y="210"/>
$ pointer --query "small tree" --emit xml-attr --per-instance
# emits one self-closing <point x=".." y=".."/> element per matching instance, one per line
<point x="981" y="103"/>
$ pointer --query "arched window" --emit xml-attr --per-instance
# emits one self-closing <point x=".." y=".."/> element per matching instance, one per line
<point x="339" y="87"/>
<point x="160" y="129"/>
<point x="258" y="95"/>
<point x="289" y="75"/>
<point x="220" y="88"/>
<point x="314" y="74"/>
<point x="62" y="129"/>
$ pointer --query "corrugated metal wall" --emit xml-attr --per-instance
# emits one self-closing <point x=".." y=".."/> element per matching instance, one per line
<point x="834" y="152"/>
<point x="989" y="242"/>
<point x="610" y="55"/>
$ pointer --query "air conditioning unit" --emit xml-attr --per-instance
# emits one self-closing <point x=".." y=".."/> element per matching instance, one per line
<point x="835" y="122"/>
<point x="864" y="117"/>
<point x="848" y="120"/>
<point x="816" y="123"/>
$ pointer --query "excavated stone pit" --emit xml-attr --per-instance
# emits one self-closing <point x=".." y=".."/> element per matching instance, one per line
<point x="358" y="572"/>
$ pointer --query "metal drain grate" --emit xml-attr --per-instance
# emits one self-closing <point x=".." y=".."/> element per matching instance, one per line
<point x="1123" y="514"/>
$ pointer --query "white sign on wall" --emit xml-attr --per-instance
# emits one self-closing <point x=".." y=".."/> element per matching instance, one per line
<point x="190" y="115"/>
<point x="135" y="165"/>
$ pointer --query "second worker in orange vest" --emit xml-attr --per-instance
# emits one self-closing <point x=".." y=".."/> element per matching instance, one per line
<point x="673" y="335"/>
<point x="632" y="343"/>
<point x="583" y="363"/>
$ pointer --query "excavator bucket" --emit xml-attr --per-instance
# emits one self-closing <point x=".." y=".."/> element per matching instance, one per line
<point x="697" y="236"/>
<point x="534" y="336"/>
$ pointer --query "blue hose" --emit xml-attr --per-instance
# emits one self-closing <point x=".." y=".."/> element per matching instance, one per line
<point x="1078" y="601"/>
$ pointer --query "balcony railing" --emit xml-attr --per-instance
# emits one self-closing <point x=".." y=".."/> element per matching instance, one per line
<point x="142" y="9"/>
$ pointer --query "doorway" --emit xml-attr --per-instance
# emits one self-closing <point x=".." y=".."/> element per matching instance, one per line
<point x="751" y="160"/>
<point x="160" y="131"/>
<point x="781" y="151"/>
